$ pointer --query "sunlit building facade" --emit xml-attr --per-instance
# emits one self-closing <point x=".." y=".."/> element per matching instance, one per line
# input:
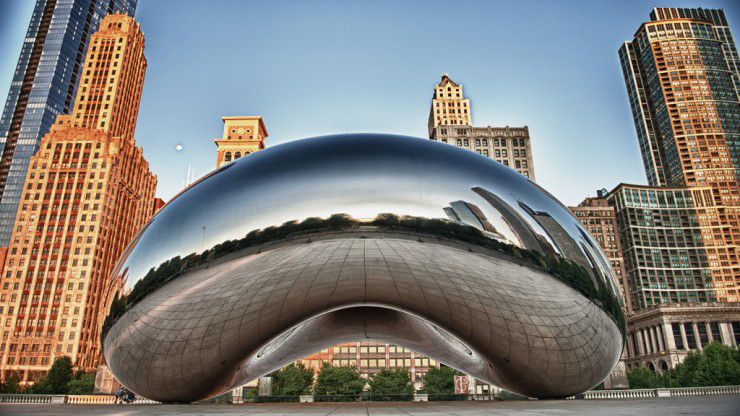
<point x="450" y="121"/>
<point x="242" y="135"/>
<point x="88" y="191"/>
<point x="680" y="71"/>
<point x="44" y="85"/>
<point x="600" y="220"/>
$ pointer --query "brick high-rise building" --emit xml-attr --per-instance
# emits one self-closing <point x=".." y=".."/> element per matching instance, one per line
<point x="679" y="73"/>
<point x="450" y="121"/>
<point x="600" y="220"/>
<point x="87" y="193"/>
<point x="44" y="85"/>
<point x="242" y="135"/>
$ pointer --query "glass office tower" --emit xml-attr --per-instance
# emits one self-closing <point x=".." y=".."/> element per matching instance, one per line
<point x="44" y="85"/>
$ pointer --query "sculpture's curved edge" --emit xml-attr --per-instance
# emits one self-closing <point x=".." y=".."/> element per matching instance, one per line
<point x="230" y="378"/>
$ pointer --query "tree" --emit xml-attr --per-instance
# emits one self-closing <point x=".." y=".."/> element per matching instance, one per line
<point x="392" y="382"/>
<point x="338" y="381"/>
<point x="292" y="380"/>
<point x="57" y="381"/>
<point x="440" y="380"/>
<point x="11" y="385"/>
<point x="83" y="383"/>
<point x="717" y="365"/>
<point x="643" y="378"/>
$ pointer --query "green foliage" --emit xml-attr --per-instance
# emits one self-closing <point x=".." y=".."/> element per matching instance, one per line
<point x="717" y="365"/>
<point x="60" y="375"/>
<point x="293" y="380"/>
<point x="83" y="383"/>
<point x="392" y="385"/>
<point x="643" y="378"/>
<point x="11" y="385"/>
<point x="440" y="381"/>
<point x="338" y="383"/>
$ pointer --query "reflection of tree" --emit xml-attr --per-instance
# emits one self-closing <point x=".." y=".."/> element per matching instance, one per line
<point x="567" y="271"/>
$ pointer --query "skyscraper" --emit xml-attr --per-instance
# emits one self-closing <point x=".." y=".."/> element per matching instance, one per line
<point x="680" y="71"/>
<point x="450" y="121"/>
<point x="44" y="85"/>
<point x="87" y="193"/>
<point x="242" y="135"/>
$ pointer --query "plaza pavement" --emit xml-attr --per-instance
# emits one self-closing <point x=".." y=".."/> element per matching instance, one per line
<point x="704" y="405"/>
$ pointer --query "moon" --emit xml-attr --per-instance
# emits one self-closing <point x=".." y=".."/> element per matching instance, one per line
<point x="178" y="147"/>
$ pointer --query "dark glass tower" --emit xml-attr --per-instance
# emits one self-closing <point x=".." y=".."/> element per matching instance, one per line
<point x="44" y="86"/>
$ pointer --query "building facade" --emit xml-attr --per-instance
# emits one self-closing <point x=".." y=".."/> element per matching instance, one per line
<point x="450" y="121"/>
<point x="661" y="336"/>
<point x="242" y="135"/>
<point x="665" y="257"/>
<point x="372" y="357"/>
<point x="44" y="85"/>
<point x="600" y="220"/>
<point x="680" y="72"/>
<point x="87" y="193"/>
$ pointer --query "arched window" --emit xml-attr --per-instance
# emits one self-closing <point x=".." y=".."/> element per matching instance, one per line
<point x="237" y="155"/>
<point x="651" y="366"/>
<point x="477" y="142"/>
<point x="227" y="157"/>
<point x="485" y="142"/>
<point x="466" y="142"/>
<point x="663" y="365"/>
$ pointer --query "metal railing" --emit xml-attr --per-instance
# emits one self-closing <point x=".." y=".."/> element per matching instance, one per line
<point x="660" y="392"/>
<point x="67" y="399"/>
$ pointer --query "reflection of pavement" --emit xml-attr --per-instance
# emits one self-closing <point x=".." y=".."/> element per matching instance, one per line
<point x="193" y="335"/>
<point x="706" y="405"/>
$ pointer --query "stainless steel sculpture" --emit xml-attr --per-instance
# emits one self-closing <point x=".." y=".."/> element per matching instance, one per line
<point x="365" y="236"/>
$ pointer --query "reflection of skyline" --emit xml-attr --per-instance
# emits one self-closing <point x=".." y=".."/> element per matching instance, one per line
<point x="566" y="244"/>
<point x="470" y="214"/>
<point x="526" y="235"/>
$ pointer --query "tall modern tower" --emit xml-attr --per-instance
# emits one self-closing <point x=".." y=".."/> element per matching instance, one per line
<point x="45" y="83"/>
<point x="681" y="72"/>
<point x="87" y="193"/>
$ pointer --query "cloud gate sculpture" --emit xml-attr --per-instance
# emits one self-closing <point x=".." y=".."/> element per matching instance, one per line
<point x="342" y="238"/>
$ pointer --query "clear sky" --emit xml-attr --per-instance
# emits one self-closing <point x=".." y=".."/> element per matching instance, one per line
<point x="320" y="67"/>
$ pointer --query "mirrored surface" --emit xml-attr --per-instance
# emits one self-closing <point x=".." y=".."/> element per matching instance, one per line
<point x="365" y="221"/>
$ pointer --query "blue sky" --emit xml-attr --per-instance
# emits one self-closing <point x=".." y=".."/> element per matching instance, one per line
<point x="320" y="67"/>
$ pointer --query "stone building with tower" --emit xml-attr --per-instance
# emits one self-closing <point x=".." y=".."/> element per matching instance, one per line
<point x="242" y="135"/>
<point x="450" y="121"/>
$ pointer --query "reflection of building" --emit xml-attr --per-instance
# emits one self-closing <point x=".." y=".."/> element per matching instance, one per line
<point x="600" y="220"/>
<point x="372" y="357"/>
<point x="89" y="190"/>
<point x="526" y="236"/>
<point x="44" y="86"/>
<point x="450" y="122"/>
<point x="242" y="135"/>
<point x="660" y="336"/>
<point x="686" y="111"/>
<point x="568" y="247"/>
<point x="470" y="214"/>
